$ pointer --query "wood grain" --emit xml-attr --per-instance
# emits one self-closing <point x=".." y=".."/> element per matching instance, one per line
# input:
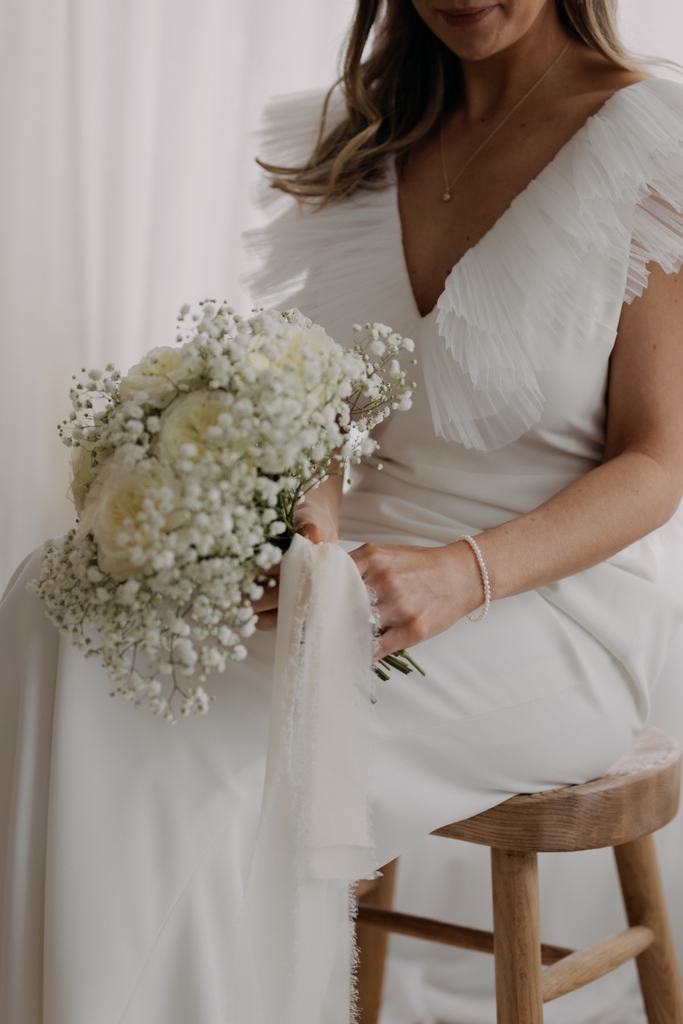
<point x="644" y="900"/>
<point x="516" y="937"/>
<point x="592" y="962"/>
<point x="639" y="795"/>
<point x="441" y="931"/>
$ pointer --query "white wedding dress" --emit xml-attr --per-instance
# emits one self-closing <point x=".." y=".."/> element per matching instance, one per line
<point x="128" y="843"/>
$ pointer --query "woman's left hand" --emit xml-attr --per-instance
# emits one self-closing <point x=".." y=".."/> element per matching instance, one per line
<point x="317" y="519"/>
<point x="421" y="591"/>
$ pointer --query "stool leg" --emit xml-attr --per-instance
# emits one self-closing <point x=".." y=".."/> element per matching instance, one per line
<point x="644" y="900"/>
<point x="372" y="948"/>
<point x="516" y="937"/>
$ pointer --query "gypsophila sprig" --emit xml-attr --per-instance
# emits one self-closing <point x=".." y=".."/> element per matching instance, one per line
<point x="186" y="473"/>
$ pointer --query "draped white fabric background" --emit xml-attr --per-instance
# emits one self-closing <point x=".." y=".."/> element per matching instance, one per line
<point x="124" y="131"/>
<point x="123" y="189"/>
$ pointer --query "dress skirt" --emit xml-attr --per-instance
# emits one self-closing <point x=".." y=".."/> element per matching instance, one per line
<point x="128" y="842"/>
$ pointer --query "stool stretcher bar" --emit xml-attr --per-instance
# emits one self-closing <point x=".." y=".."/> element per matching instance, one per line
<point x="447" y="934"/>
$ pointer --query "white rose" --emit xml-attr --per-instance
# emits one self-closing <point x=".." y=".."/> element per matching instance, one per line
<point x="304" y="353"/>
<point x="130" y="514"/>
<point x="258" y="360"/>
<point x="294" y="342"/>
<point x="187" y="420"/>
<point x="161" y="373"/>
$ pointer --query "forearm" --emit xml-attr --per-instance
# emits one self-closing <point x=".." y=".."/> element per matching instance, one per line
<point x="585" y="523"/>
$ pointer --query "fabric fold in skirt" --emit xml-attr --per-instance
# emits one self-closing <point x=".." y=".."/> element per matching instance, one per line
<point x="129" y="844"/>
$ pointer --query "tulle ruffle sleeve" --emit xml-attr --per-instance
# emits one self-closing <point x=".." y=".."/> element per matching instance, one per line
<point x="609" y="204"/>
<point x="339" y="264"/>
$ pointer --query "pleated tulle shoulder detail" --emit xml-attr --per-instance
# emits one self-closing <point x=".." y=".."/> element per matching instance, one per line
<point x="609" y="203"/>
<point x="340" y="264"/>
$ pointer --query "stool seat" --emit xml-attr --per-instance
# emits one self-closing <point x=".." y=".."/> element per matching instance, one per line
<point x="621" y="809"/>
<point x="636" y="797"/>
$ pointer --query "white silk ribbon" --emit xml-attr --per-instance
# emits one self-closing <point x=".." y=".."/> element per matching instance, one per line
<point x="297" y="950"/>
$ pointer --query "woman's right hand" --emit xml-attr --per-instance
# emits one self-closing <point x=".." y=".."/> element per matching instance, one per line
<point x="317" y="519"/>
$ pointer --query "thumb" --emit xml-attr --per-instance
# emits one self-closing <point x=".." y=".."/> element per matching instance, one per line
<point x="313" y="532"/>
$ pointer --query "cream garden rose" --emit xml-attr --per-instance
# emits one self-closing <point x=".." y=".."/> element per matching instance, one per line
<point x="303" y="350"/>
<point x="131" y="518"/>
<point x="295" y="343"/>
<point x="161" y="374"/>
<point x="188" y="421"/>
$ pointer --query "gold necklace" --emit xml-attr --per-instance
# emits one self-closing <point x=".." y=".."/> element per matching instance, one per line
<point x="449" y="184"/>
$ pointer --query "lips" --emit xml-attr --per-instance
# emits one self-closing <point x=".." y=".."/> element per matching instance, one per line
<point x="465" y="16"/>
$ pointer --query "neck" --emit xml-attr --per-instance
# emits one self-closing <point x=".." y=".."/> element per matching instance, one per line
<point x="492" y="84"/>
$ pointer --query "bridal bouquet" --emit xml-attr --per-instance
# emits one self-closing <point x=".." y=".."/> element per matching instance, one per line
<point x="186" y="474"/>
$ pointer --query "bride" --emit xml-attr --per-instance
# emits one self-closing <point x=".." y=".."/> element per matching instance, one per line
<point x="501" y="183"/>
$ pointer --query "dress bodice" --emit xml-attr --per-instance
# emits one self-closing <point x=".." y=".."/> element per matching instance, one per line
<point x="513" y="362"/>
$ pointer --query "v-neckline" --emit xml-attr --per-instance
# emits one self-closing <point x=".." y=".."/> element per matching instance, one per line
<point x="546" y="169"/>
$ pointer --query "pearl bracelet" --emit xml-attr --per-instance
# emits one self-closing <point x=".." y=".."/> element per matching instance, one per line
<point x="486" y="583"/>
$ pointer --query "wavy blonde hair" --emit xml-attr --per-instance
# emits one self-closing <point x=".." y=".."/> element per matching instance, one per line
<point x="396" y="94"/>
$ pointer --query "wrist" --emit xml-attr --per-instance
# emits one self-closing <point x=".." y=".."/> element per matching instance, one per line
<point x="475" y="588"/>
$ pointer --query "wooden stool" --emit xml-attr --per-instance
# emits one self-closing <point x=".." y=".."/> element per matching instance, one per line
<point x="622" y="809"/>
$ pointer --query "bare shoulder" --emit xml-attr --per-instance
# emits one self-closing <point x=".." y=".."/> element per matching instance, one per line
<point x="646" y="373"/>
<point x="590" y="79"/>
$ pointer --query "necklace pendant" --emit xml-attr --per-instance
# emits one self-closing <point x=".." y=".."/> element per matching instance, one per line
<point x="446" y="197"/>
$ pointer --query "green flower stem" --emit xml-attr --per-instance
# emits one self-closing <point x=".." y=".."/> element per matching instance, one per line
<point x="405" y="655"/>
<point x="401" y="661"/>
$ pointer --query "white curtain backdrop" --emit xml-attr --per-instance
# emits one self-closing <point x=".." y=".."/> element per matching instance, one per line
<point x="124" y="173"/>
<point x="126" y="154"/>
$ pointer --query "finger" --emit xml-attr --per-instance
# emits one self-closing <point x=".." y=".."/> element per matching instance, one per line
<point x="267" y="621"/>
<point x="390" y="641"/>
<point x="312" y="532"/>
<point x="362" y="556"/>
<point x="318" y="533"/>
<point x="268" y="601"/>
<point x="359" y="556"/>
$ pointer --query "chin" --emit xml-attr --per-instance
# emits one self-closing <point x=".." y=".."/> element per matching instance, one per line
<point x="476" y="29"/>
<point x="481" y="34"/>
<point x="475" y="50"/>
